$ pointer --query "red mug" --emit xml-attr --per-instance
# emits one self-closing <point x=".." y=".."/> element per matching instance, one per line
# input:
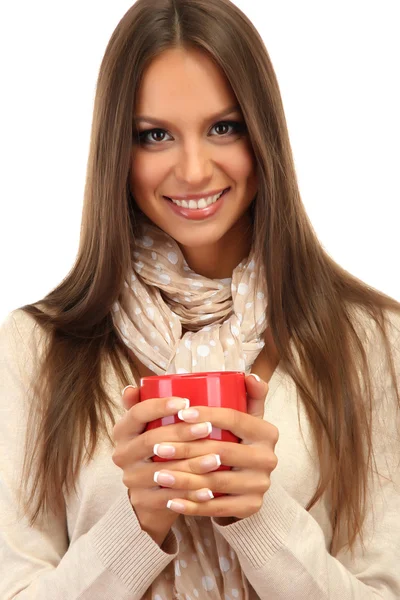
<point x="224" y="389"/>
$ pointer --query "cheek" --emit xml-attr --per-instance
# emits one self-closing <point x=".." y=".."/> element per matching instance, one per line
<point x="240" y="163"/>
<point x="147" y="172"/>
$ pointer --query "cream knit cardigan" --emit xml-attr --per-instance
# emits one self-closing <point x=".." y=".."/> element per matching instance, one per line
<point x="96" y="550"/>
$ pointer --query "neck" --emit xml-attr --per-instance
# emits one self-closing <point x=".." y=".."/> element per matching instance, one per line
<point x="218" y="260"/>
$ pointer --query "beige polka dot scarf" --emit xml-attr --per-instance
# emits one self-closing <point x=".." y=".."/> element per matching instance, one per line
<point x="224" y="318"/>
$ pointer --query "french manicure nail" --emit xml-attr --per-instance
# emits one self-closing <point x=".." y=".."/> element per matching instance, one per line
<point x="126" y="387"/>
<point x="177" y="506"/>
<point x="201" y="428"/>
<point x="178" y="404"/>
<point x="163" y="450"/>
<point x="164" y="478"/>
<point x="256" y="377"/>
<point x="211" y="461"/>
<point x="204" y="495"/>
<point x="190" y="413"/>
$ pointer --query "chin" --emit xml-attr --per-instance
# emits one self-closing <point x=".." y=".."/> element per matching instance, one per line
<point x="195" y="239"/>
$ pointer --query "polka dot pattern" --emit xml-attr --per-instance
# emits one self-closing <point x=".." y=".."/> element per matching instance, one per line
<point x="203" y="350"/>
<point x="224" y="321"/>
<point x="208" y="583"/>
<point x="206" y="566"/>
<point x="177" y="568"/>
<point x="173" y="257"/>
<point x="165" y="278"/>
<point x="224" y="564"/>
<point x="196" y="284"/>
<point x="147" y="241"/>
<point x="224" y="318"/>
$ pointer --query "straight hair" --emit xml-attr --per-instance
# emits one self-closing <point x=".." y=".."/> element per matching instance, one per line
<point x="312" y="301"/>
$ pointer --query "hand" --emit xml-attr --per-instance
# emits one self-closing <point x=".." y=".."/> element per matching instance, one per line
<point x="252" y="460"/>
<point x="134" y="448"/>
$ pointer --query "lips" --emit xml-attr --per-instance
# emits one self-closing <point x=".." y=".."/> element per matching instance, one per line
<point x="199" y="203"/>
<point x="188" y="197"/>
<point x="197" y="214"/>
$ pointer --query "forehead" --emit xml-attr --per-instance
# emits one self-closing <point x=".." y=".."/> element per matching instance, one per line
<point x="183" y="80"/>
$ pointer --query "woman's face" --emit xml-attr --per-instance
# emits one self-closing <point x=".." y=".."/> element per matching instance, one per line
<point x="192" y="141"/>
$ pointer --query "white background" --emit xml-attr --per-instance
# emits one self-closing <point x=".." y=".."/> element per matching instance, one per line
<point x="338" y="66"/>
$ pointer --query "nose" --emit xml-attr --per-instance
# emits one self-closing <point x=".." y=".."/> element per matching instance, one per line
<point x="194" y="165"/>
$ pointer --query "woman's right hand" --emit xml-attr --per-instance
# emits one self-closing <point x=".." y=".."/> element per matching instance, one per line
<point x="133" y="451"/>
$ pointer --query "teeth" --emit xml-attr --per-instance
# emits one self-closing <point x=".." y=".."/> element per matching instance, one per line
<point x="196" y="204"/>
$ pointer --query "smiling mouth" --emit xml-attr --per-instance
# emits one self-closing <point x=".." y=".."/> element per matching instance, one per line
<point x="198" y="204"/>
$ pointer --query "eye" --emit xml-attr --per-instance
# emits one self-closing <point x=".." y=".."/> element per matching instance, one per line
<point x="143" y="136"/>
<point x="153" y="137"/>
<point x="237" y="126"/>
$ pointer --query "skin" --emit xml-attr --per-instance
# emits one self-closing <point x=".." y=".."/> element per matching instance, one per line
<point x="243" y="487"/>
<point x="195" y="153"/>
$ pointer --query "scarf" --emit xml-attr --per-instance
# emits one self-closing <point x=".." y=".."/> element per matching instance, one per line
<point x="224" y="318"/>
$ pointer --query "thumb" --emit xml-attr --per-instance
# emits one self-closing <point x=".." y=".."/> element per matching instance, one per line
<point x="257" y="391"/>
<point x="130" y="396"/>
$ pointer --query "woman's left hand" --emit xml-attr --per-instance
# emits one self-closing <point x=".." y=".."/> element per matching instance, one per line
<point x="252" y="460"/>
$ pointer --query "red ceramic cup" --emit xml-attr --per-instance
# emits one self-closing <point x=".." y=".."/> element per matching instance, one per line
<point x="224" y="389"/>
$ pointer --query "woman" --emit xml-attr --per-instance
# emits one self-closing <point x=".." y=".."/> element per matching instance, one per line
<point x="187" y="104"/>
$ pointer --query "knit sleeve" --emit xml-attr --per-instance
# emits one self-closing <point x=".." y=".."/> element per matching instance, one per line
<point x="282" y="549"/>
<point x="114" y="559"/>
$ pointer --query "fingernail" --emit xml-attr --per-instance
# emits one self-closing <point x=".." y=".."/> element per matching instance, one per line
<point x="211" y="461"/>
<point x="204" y="495"/>
<point x="126" y="387"/>
<point x="256" y="377"/>
<point x="190" y="413"/>
<point x="201" y="428"/>
<point x="177" y="506"/>
<point x="163" y="478"/>
<point x="163" y="450"/>
<point x="178" y="404"/>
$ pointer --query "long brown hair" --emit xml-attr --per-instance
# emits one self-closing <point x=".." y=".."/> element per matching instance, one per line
<point x="310" y="297"/>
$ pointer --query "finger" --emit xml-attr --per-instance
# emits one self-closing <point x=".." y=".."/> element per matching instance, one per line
<point x="143" y="475"/>
<point x="142" y="447"/>
<point x="238" y="507"/>
<point x="224" y="482"/>
<point x="130" y="396"/>
<point x="257" y="391"/>
<point x="231" y="454"/>
<point x="157" y="498"/>
<point x="140" y="414"/>
<point x="243" y="425"/>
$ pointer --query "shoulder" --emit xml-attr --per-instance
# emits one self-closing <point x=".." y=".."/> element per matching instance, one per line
<point x="22" y="339"/>
<point x="382" y="347"/>
<point x="374" y="336"/>
<point x="19" y="323"/>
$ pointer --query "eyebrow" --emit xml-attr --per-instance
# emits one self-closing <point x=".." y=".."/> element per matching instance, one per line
<point x="164" y="122"/>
